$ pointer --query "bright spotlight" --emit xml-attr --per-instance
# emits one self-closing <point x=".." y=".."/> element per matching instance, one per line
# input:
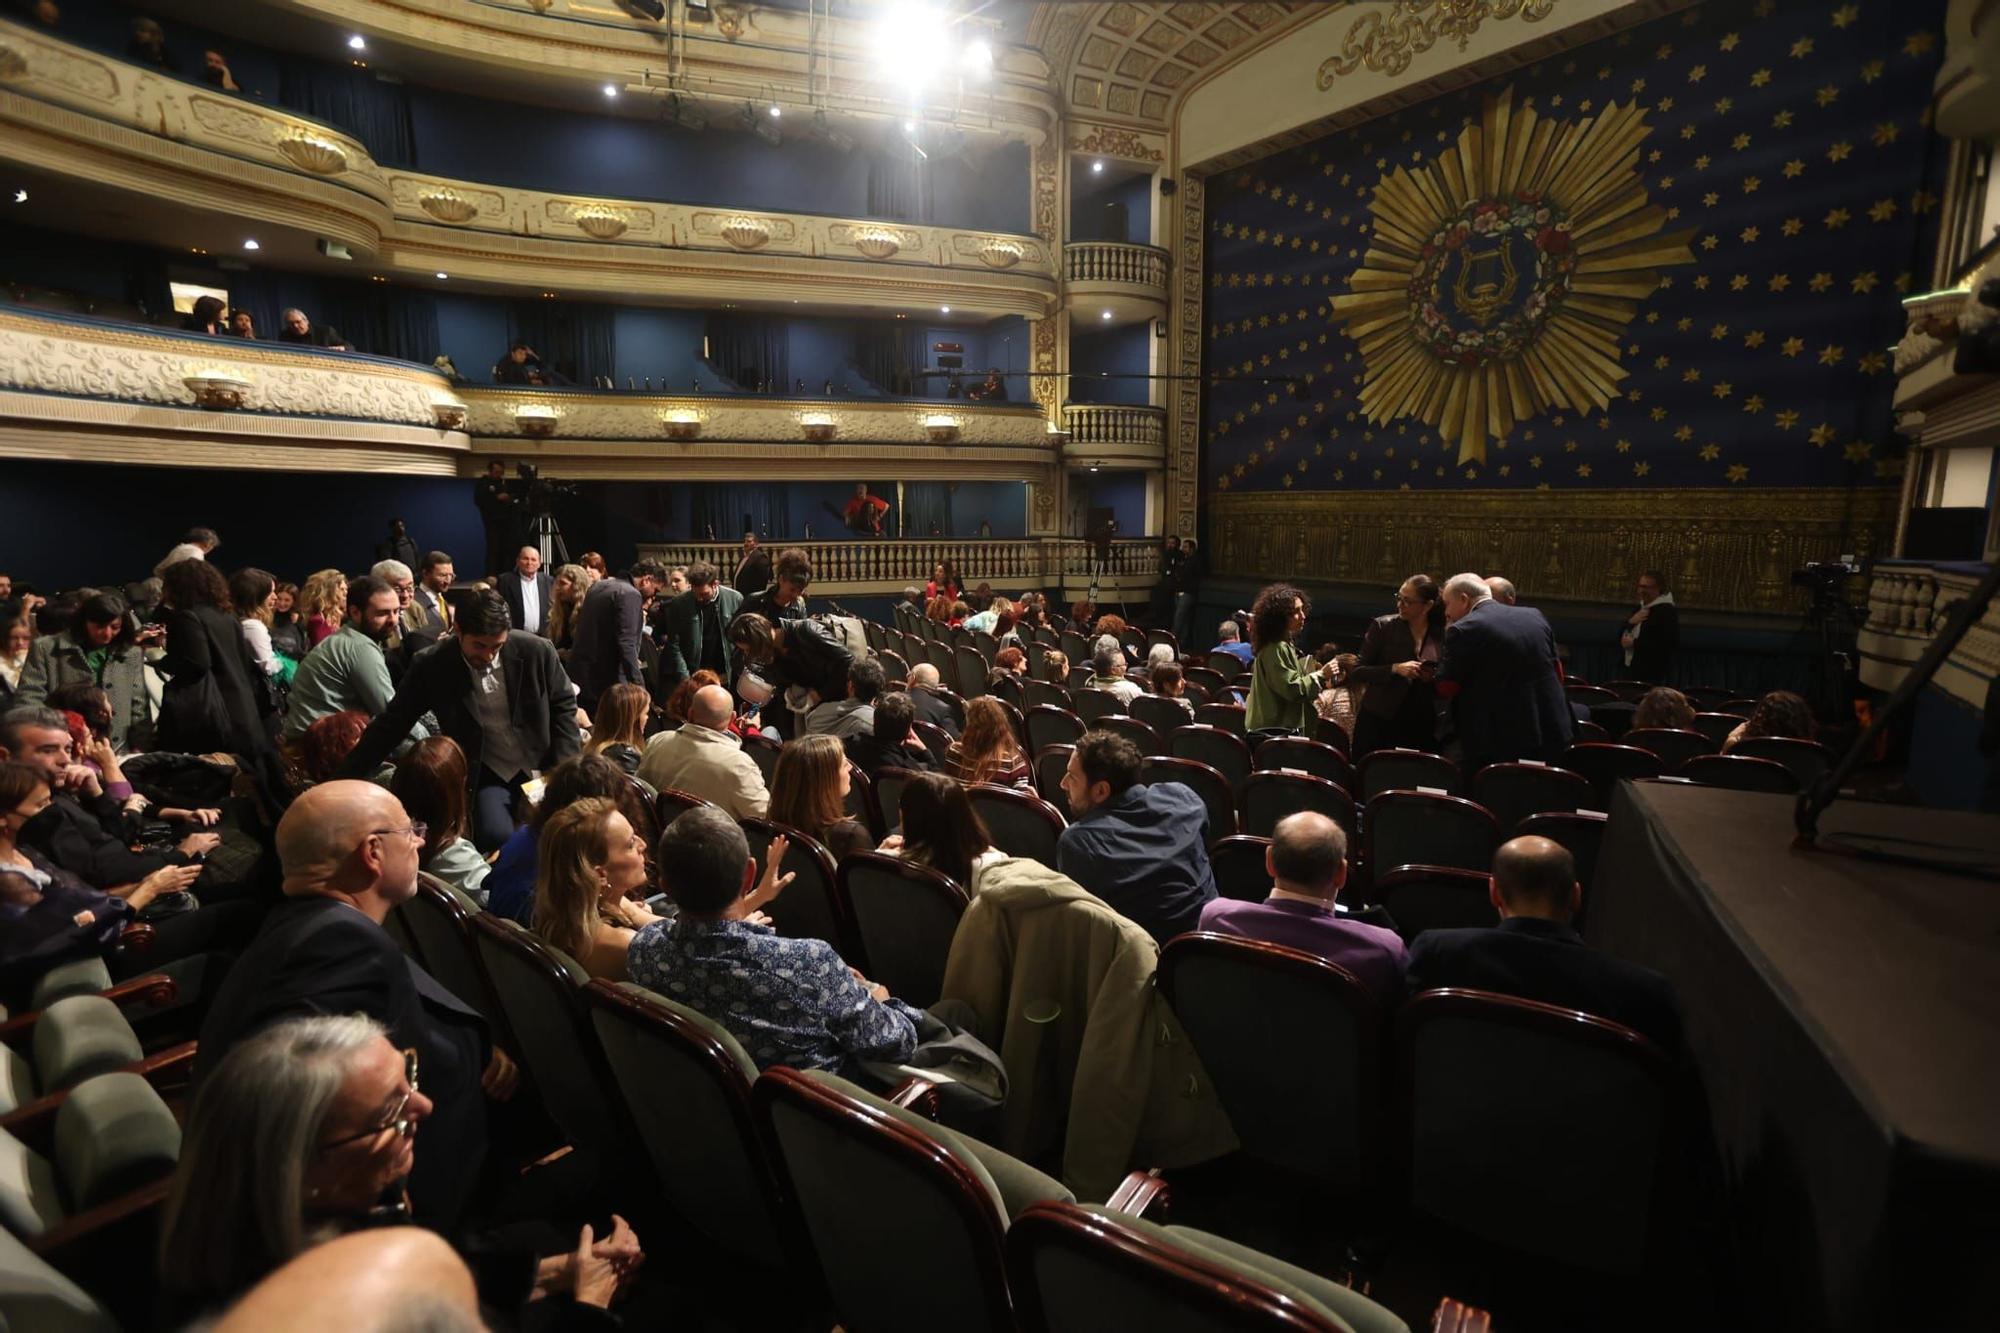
<point x="912" y="44"/>
<point x="944" y="310"/>
<point x="776" y="111"/>
<point x="251" y="245"/>
<point x="611" y="90"/>
<point x="357" y="43"/>
<point x="977" y="58"/>
<point x="20" y="196"/>
<point x="442" y="276"/>
<point x="909" y="127"/>
<point x="1097" y="167"/>
<point x="1107" y="314"/>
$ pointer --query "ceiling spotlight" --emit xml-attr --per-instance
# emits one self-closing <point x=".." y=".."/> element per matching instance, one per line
<point x="611" y="90"/>
<point x="1107" y="314"/>
<point x="20" y="196"/>
<point x="357" y="43"/>
<point x="978" y="58"/>
<point x="443" y="275"/>
<point x="776" y="111"/>
<point x="1097" y="166"/>
<point x="944" y="310"/>
<point x="1093" y="467"/>
<point x="252" y="245"/>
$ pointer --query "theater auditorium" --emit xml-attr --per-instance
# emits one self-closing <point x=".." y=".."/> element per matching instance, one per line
<point x="1312" y="666"/>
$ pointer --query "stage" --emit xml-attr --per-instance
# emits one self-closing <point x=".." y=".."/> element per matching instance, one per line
<point x="1845" y="1020"/>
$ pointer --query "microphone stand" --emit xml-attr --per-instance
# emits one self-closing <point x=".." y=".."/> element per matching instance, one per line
<point x="1816" y="798"/>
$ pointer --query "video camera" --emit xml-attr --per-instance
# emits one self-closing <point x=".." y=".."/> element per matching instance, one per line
<point x="542" y="493"/>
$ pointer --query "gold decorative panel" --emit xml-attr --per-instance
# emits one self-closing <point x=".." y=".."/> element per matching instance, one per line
<point x="1133" y="60"/>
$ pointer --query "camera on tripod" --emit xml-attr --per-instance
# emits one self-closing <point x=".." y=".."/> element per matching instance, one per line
<point x="542" y="493"/>
<point x="1826" y="580"/>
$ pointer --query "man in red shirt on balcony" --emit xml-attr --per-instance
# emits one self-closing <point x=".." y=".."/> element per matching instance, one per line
<point x="864" y="513"/>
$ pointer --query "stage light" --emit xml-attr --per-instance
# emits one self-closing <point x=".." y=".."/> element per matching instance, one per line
<point x="1096" y="167"/>
<point x="978" y="58"/>
<point x="252" y="245"/>
<point x="443" y="275"/>
<point x="944" y="310"/>
<point x="912" y="45"/>
<point x="909" y="127"/>
<point x="776" y="111"/>
<point x="611" y="91"/>
<point x="20" y="196"/>
<point x="357" y="43"/>
<point x="1107" y="314"/>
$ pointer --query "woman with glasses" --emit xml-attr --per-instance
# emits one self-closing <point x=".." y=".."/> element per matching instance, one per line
<point x="1399" y="657"/>
<point x="308" y="1131"/>
<point x="1283" y="682"/>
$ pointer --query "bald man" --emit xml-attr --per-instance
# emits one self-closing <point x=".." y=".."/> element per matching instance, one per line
<point x="1502" y="590"/>
<point x="1307" y="862"/>
<point x="350" y="852"/>
<point x="931" y="706"/>
<point x="394" y="1277"/>
<point x="1535" y="954"/>
<point x="705" y="758"/>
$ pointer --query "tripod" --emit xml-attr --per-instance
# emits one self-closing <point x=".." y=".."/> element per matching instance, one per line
<point x="545" y="535"/>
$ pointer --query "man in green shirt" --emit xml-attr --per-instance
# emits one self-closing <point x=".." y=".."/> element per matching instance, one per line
<point x="348" y="668"/>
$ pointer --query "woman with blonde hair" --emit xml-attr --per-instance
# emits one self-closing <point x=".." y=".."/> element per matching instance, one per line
<point x="810" y="785"/>
<point x="565" y="600"/>
<point x="988" y="750"/>
<point x="618" y="727"/>
<point x="322" y="605"/>
<point x="590" y="860"/>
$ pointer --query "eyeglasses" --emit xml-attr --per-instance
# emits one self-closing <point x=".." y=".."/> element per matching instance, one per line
<point x="398" y="1119"/>
<point x="417" y="830"/>
<point x="1407" y="601"/>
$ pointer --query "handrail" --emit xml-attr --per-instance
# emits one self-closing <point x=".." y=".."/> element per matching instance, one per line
<point x="1111" y="423"/>
<point x="1006" y="563"/>
<point x="1115" y="261"/>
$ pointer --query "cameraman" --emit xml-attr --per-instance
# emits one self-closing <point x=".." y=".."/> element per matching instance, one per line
<point x="498" y="510"/>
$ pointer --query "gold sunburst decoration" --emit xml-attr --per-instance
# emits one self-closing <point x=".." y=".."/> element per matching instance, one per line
<point x="1501" y="274"/>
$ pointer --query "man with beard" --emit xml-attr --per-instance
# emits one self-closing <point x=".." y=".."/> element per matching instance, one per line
<point x="348" y="670"/>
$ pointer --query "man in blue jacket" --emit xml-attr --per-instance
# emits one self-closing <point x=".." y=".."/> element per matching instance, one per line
<point x="1141" y="847"/>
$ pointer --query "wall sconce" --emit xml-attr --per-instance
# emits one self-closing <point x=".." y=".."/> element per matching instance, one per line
<point x="817" y="427"/>
<point x="681" y="424"/>
<point x="449" y="413"/>
<point x="942" y="430"/>
<point x="536" y="420"/>
<point x="217" y="390"/>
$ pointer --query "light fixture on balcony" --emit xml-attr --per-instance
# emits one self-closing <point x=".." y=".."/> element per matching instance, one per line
<point x="251" y="244"/>
<point x="944" y="310"/>
<point x="536" y="420"/>
<point x="817" y="427"/>
<point x="1096" y="168"/>
<point x="217" y="390"/>
<point x="682" y="423"/>
<point x="357" y="43"/>
<point x="442" y="276"/>
<point x="449" y="413"/>
<point x="939" y="429"/>
<point x="611" y="91"/>
<point x="1107" y="314"/>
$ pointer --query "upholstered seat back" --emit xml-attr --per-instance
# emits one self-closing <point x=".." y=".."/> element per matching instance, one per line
<point x="538" y="988"/>
<point x="904" y="915"/>
<point x="113" y="1134"/>
<point x="81" y="1036"/>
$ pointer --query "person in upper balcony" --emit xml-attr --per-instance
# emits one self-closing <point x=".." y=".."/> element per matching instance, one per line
<point x="242" y="324"/>
<point x="992" y="389"/>
<point x="521" y="365"/>
<point x="206" y="317"/>
<point x="294" y="327"/>
<point x="149" y="46"/>
<point x="215" y="72"/>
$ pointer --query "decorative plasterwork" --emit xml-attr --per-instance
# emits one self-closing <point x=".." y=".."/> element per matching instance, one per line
<point x="1134" y="60"/>
<point x="1726" y="550"/>
<point x="1386" y="42"/>
<point x="628" y="416"/>
<point x="1908" y="603"/>
<point x="1184" y="439"/>
<point x="1110" y="141"/>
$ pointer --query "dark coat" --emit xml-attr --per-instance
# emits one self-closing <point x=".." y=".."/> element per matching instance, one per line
<point x="1500" y="670"/>
<point x="754" y="573"/>
<point x="510" y="588"/>
<point x="320" y="956"/>
<point x="937" y="710"/>
<point x="205" y="643"/>
<point x="540" y="699"/>
<point x="91" y="840"/>
<point x="1652" y="649"/>
<point x="681" y="644"/>
<point x="808" y="658"/>
<point x="1387" y="642"/>
<point x="604" y="650"/>
<point x="1536" y="959"/>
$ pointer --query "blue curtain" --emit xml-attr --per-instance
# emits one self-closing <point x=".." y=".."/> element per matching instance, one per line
<point x="719" y="510"/>
<point x="889" y="357"/>
<point x="579" y="340"/>
<point x="899" y="185"/>
<point x="752" y="350"/>
<point x="388" y="321"/>
<point x="927" y="506"/>
<point x="374" y="112"/>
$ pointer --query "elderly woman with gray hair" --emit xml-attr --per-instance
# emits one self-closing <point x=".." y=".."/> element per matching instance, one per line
<point x="308" y="1131"/>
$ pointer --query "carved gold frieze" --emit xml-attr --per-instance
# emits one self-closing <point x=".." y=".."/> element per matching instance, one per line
<point x="746" y="233"/>
<point x="1114" y="142"/>
<point x="13" y="65"/>
<point x="606" y="224"/>
<point x="1723" y="550"/>
<point x="1385" y="42"/>
<point x="876" y="242"/>
<point x="448" y="205"/>
<point x="312" y="152"/>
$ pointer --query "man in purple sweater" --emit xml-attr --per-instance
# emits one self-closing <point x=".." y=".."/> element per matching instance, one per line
<point x="1308" y="864"/>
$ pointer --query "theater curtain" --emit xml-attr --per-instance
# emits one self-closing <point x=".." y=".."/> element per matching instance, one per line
<point x="889" y="358"/>
<point x="387" y="322"/>
<point x="354" y="100"/>
<point x="927" y="504"/>
<point x="718" y="511"/>
<point x="899" y="185"/>
<point x="579" y="341"/>
<point x="750" y="350"/>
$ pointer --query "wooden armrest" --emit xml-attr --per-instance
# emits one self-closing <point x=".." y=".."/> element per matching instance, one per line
<point x="1138" y="1192"/>
<point x="33" y="1119"/>
<point x="1458" y="1317"/>
<point x="153" y="988"/>
<point x="917" y="1094"/>
<point x="86" y="1224"/>
<point x="137" y="937"/>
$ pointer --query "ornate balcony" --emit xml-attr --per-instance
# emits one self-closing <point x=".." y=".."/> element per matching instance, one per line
<point x="1908" y="603"/>
<point x="885" y="568"/>
<point x="1128" y="281"/>
<point x="1105" y="435"/>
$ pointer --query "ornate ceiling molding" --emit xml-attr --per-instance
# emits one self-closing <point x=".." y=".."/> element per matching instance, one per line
<point x="1386" y="42"/>
<point x="1134" y="62"/>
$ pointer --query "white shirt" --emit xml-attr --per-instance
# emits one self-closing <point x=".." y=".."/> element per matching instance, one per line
<point x="531" y="603"/>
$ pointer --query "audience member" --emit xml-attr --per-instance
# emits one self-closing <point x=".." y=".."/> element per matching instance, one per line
<point x="854" y="715"/>
<point x="45" y="12"/>
<point x="242" y="324"/>
<point x="211" y="703"/>
<point x="1170" y="682"/>
<point x="795" y="658"/>
<point x="609" y="625"/>
<point x="1185" y="580"/>
<point x="1142" y="848"/>
<point x="1307" y="862"/>
<point x="1651" y="633"/>
<point x="926" y="694"/>
<point x="430" y="782"/>
<point x="148" y="46"/>
<point x="325" y="745"/>
<point x="591" y="861"/>
<point x="398" y="545"/>
<point x="351" y="669"/>
<point x="429" y="611"/>
<point x="206" y="317"/>
<point x="1534" y="953"/>
<point x="510" y="887"/>
<point x="526" y="588"/>
<point x="215" y="73"/>
<point x="810" y="785"/>
<point x="566" y="593"/>
<point x="1500" y="670"/>
<point x="1340" y="702"/>
<point x="693" y="628"/>
<point x="1107" y="673"/>
<point x="987" y="618"/>
<point x="521" y="364"/>
<point x="17" y="640"/>
<point x="499" y="508"/>
<point x="294" y="327"/>
<point x="1397" y="665"/>
<point x="940" y="829"/>
<point x="618" y="727"/>
<point x="323" y="605"/>
<point x="789" y="1002"/>
<point x="785" y="598"/>
<point x="1502" y="590"/>
<point x="702" y="758"/>
<point x="1779" y="713"/>
<point x="1663" y="707"/>
<point x="1009" y="664"/>
<point x="913" y="601"/>
<point x="288" y="634"/>
<point x="195" y="544"/>
<point x="350" y="854"/>
<point x="1283" y="684"/>
<point x="753" y="571"/>
<point x="381" y="1281"/>
<point x="891" y="744"/>
<point x="101" y="646"/>
<point x="944" y="582"/>
<point x="252" y="595"/>
<point x="989" y="752"/>
<point x="501" y="694"/>
<point x="1055" y="667"/>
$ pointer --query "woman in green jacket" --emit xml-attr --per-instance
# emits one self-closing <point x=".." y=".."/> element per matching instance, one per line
<point x="1283" y="682"/>
<point x="101" y="646"/>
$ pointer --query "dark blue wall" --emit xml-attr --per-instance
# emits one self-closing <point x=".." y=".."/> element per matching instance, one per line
<point x="1089" y="193"/>
<point x="1124" y="493"/>
<point x="1123" y="353"/>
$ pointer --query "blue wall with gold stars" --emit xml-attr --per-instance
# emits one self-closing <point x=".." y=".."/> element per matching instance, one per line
<point x="1788" y="152"/>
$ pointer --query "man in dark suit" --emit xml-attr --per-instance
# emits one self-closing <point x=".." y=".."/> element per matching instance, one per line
<point x="350" y="854"/>
<point x="1649" y="635"/>
<point x="428" y="611"/>
<point x="501" y="694"/>
<point x="527" y="589"/>
<point x="1534" y="954"/>
<point x="609" y="624"/>
<point x="753" y="572"/>
<point x="694" y="628"/>
<point x="931" y="706"/>
<point x="1499" y="669"/>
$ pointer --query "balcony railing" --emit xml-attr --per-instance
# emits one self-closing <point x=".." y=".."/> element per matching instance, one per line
<point x="875" y="568"/>
<point x="1096" y="424"/>
<point x="1112" y="261"/>
<point x="1908" y="602"/>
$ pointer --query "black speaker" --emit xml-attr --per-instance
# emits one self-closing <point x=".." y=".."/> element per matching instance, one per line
<point x="1167" y="186"/>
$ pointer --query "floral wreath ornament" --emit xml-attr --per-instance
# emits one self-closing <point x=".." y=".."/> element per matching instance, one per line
<point x="1501" y="274"/>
